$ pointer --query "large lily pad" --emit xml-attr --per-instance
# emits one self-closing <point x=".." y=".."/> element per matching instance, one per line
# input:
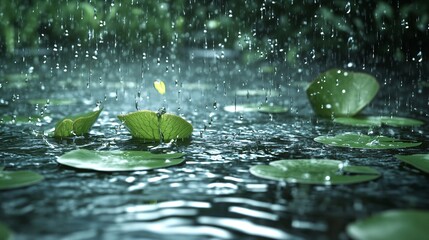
<point x="16" y="179"/>
<point x="338" y="93"/>
<point x="353" y="140"/>
<point x="112" y="161"/>
<point x="392" y="225"/>
<point x="150" y="125"/>
<point x="419" y="161"/>
<point x="264" y="108"/>
<point x="314" y="171"/>
<point x="378" y="121"/>
<point x="76" y="125"/>
<point x="5" y="233"/>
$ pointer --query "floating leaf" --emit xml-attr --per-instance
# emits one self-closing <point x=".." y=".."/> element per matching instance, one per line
<point x="76" y="125"/>
<point x="16" y="179"/>
<point x="341" y="93"/>
<point x="5" y="233"/>
<point x="159" y="86"/>
<point x="419" y="161"/>
<point x="151" y="126"/>
<point x="353" y="140"/>
<point x="265" y="108"/>
<point x="378" y="121"/>
<point x="392" y="225"/>
<point x="110" y="161"/>
<point x="314" y="171"/>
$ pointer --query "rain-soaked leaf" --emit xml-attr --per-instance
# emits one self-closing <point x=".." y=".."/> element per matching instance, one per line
<point x="419" y="161"/>
<point x="315" y="171"/>
<point x="264" y="108"/>
<point x="354" y="140"/>
<point x="159" y="86"/>
<point x="340" y="93"/>
<point x="16" y="179"/>
<point x="76" y="125"/>
<point x="5" y="233"/>
<point x="378" y="121"/>
<point x="392" y="225"/>
<point x="150" y="125"/>
<point x="112" y="161"/>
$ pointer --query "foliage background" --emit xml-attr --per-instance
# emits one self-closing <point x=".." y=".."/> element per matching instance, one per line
<point x="392" y="30"/>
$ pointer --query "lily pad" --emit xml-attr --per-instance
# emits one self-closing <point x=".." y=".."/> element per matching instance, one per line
<point x="353" y="140"/>
<point x="392" y="225"/>
<point x="265" y="108"/>
<point x="76" y="125"/>
<point x="150" y="125"/>
<point x="378" y="121"/>
<point x="5" y="233"/>
<point x="314" y="171"/>
<point x="16" y="179"/>
<point x="341" y="93"/>
<point x="112" y="161"/>
<point x="419" y="161"/>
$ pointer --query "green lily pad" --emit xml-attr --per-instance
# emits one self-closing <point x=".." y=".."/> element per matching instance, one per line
<point x="16" y="179"/>
<point x="150" y="125"/>
<point x="5" y="232"/>
<point x="314" y="171"/>
<point x="378" y="121"/>
<point x="265" y="108"/>
<point x="353" y="140"/>
<point x="419" y="161"/>
<point x="341" y="93"/>
<point x="392" y="225"/>
<point x="77" y="125"/>
<point x="112" y="161"/>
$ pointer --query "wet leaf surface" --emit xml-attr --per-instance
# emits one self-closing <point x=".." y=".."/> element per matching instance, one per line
<point x="112" y="161"/>
<point x="354" y="140"/>
<point x="152" y="126"/>
<point x="378" y="121"/>
<point x="76" y="125"/>
<point x="315" y="171"/>
<point x="392" y="225"/>
<point x="341" y="93"/>
<point x="419" y="161"/>
<point x="17" y="179"/>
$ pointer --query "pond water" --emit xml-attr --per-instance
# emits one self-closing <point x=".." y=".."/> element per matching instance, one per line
<point x="212" y="195"/>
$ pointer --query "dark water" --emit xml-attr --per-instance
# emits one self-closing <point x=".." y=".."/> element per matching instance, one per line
<point x="212" y="195"/>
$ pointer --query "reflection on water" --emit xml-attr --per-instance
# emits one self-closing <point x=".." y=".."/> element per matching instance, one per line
<point x="212" y="195"/>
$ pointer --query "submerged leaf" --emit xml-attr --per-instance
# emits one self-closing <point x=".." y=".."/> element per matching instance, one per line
<point x="150" y="125"/>
<point x="378" y="121"/>
<point x="353" y="140"/>
<point x="392" y="225"/>
<point x="419" y="161"/>
<point x="111" y="161"/>
<point x="314" y="171"/>
<point x="16" y="179"/>
<point x="341" y="93"/>
<point x="159" y="86"/>
<point x="5" y="233"/>
<point x="264" y="108"/>
<point x="77" y="125"/>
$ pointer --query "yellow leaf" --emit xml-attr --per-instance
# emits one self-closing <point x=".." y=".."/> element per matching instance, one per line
<point x="159" y="86"/>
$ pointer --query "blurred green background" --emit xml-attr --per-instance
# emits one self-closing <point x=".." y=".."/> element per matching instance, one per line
<point x="394" y="30"/>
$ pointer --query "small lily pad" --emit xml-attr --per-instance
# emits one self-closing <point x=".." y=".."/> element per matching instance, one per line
<point x="341" y="93"/>
<point x="378" y="121"/>
<point x="353" y="140"/>
<point x="77" y="125"/>
<point x="16" y="179"/>
<point x="265" y="108"/>
<point x="419" y="161"/>
<point x="315" y="171"/>
<point x="154" y="126"/>
<point x="5" y="232"/>
<point x="112" y="161"/>
<point x="392" y="225"/>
